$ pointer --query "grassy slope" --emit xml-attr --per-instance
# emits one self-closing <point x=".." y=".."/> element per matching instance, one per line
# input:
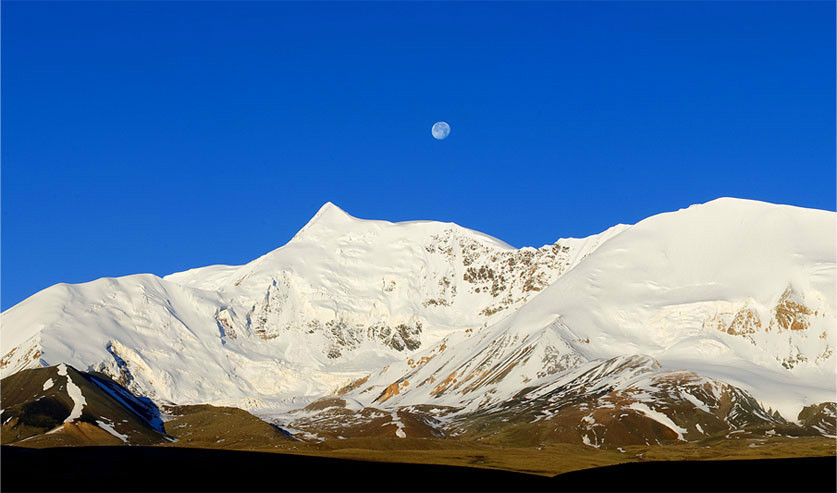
<point x="206" y="426"/>
<point x="560" y="458"/>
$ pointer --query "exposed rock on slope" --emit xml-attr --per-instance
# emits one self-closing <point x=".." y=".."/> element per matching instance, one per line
<point x="602" y="404"/>
<point x="822" y="418"/>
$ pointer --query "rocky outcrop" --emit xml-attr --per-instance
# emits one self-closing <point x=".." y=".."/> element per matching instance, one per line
<point x="820" y="417"/>
<point x="791" y="313"/>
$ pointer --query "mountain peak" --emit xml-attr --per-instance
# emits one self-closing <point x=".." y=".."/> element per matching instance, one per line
<point x="329" y="216"/>
<point x="329" y="210"/>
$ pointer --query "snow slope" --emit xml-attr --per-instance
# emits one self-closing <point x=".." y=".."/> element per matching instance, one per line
<point x="737" y="290"/>
<point x="674" y="284"/>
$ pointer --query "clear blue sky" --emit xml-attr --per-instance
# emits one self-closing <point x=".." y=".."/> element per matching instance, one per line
<point x="156" y="137"/>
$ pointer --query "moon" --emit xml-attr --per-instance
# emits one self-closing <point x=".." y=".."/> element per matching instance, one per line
<point x="440" y="130"/>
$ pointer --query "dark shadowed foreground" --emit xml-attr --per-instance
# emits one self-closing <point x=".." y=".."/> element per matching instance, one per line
<point x="179" y="469"/>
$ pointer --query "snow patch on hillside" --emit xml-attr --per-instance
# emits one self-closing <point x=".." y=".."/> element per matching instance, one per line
<point x="108" y="427"/>
<point x="74" y="392"/>
<point x="658" y="417"/>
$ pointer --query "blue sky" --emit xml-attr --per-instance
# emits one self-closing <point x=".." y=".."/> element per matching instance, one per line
<point x="156" y="137"/>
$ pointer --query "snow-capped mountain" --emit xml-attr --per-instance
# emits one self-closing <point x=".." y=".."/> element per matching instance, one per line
<point x="423" y="312"/>
<point x="737" y="290"/>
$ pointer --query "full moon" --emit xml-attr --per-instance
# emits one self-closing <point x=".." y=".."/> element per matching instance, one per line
<point x="440" y="130"/>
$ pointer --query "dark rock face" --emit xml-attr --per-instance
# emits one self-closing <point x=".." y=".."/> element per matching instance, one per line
<point x="344" y="337"/>
<point x="820" y="417"/>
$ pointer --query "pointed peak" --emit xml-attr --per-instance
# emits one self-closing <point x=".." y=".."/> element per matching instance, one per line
<point x="329" y="213"/>
<point x="328" y="217"/>
<point x="330" y="209"/>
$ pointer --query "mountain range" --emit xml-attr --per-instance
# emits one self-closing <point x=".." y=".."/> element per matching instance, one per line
<point x="690" y="325"/>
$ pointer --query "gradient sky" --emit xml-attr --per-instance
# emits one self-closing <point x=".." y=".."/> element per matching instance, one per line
<point x="157" y="137"/>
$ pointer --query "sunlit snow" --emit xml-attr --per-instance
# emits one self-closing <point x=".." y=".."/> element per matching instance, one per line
<point x="108" y="427"/>
<point x="256" y="336"/>
<point x="658" y="417"/>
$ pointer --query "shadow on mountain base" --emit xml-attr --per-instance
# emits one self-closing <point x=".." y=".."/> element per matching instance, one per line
<point x="180" y="469"/>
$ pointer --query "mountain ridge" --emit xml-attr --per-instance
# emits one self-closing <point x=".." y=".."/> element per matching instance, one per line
<point x="348" y="298"/>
